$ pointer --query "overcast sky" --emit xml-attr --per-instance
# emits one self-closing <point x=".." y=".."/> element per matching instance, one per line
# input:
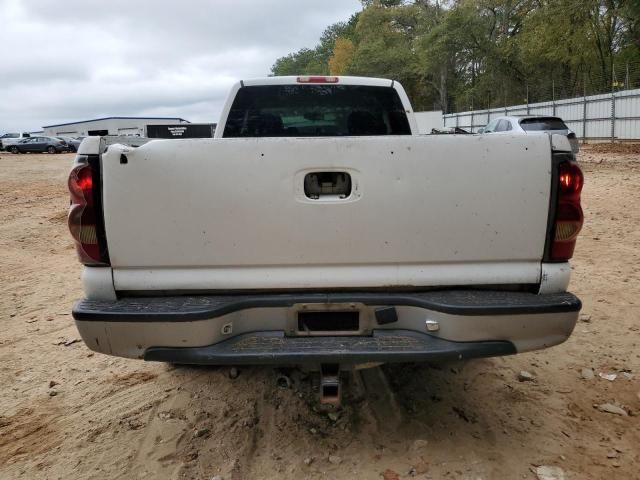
<point x="71" y="60"/>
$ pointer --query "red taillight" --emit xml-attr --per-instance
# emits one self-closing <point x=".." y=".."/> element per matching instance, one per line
<point x="81" y="185"/>
<point x="83" y="217"/>
<point x="318" y="79"/>
<point x="570" y="177"/>
<point x="569" y="217"/>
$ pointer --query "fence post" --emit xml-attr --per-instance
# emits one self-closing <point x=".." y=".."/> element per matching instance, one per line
<point x="471" y="115"/>
<point x="613" y="117"/>
<point x="527" y="98"/>
<point x="505" y="102"/>
<point x="584" y="109"/>
<point x="613" y="104"/>
<point x="553" y="95"/>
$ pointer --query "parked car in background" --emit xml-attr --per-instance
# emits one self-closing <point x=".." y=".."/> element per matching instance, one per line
<point x="532" y="124"/>
<point x="39" y="145"/>
<point x="450" y="131"/>
<point x="9" y="139"/>
<point x="73" y="143"/>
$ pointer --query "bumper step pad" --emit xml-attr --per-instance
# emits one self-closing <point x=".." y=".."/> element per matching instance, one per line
<point x="202" y="307"/>
<point x="274" y="348"/>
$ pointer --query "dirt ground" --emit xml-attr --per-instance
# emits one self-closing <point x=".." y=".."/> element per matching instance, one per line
<point x="70" y="414"/>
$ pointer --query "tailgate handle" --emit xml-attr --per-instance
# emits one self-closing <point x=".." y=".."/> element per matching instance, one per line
<point x="319" y="185"/>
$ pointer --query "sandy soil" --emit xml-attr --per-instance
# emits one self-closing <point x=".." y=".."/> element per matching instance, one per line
<point x="67" y="413"/>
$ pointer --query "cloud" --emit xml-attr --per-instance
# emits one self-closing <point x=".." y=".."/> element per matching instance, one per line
<point x="79" y="59"/>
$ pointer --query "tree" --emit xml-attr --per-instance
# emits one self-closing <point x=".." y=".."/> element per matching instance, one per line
<point x="631" y="14"/>
<point x="302" y="62"/>
<point x="381" y="3"/>
<point x="384" y="40"/>
<point x="606" y="27"/>
<point x="342" y="55"/>
<point x="315" y="61"/>
<point x="480" y="53"/>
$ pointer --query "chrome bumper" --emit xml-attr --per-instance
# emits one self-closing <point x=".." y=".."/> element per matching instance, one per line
<point x="258" y="329"/>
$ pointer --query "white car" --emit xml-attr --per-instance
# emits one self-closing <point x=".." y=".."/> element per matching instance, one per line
<point x="320" y="229"/>
<point x="532" y="124"/>
<point x="9" y="139"/>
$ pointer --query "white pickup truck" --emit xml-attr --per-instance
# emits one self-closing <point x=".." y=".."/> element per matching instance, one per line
<point x="318" y="228"/>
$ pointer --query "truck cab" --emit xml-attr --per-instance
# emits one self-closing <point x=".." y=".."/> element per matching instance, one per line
<point x="316" y="106"/>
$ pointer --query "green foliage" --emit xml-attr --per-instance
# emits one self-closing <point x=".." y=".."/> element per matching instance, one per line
<point x="316" y="61"/>
<point x="459" y="54"/>
<point x="342" y="56"/>
<point x="302" y="62"/>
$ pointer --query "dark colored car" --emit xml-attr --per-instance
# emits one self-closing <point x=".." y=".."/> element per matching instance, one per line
<point x="72" y="142"/>
<point x="450" y="131"/>
<point x="39" y="145"/>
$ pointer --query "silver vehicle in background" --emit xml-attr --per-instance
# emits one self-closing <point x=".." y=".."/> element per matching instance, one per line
<point x="532" y="124"/>
<point x="9" y="139"/>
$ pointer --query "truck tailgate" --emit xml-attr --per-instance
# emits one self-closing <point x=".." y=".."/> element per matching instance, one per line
<point x="233" y="213"/>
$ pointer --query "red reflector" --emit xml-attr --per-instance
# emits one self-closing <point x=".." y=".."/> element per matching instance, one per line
<point x="318" y="79"/>
<point x="568" y="212"/>
<point x="569" y="218"/>
<point x="562" y="251"/>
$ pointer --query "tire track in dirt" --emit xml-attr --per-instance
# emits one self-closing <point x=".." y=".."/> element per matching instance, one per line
<point x="32" y="430"/>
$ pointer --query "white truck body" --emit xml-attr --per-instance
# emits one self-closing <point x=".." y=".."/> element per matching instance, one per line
<point x="212" y="240"/>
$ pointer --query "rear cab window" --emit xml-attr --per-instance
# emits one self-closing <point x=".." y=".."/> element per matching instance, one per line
<point x="542" y="123"/>
<point x="316" y="111"/>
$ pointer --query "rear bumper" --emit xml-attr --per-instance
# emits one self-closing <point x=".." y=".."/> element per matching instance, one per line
<point x="256" y="329"/>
